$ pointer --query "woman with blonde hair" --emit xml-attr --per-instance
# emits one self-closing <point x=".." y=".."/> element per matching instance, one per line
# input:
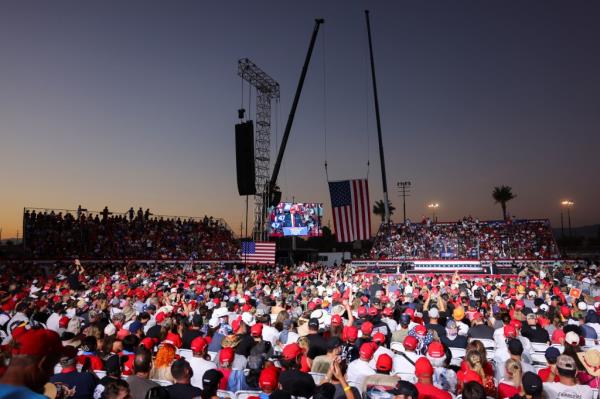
<point x="474" y="372"/>
<point x="305" y="362"/>
<point x="510" y="385"/>
<point x="477" y="345"/>
<point x="161" y="369"/>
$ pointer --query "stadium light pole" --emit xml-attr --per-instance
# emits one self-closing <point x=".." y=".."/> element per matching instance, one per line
<point x="433" y="207"/>
<point x="568" y="204"/>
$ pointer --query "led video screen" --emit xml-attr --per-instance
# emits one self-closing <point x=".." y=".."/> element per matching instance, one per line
<point x="296" y="219"/>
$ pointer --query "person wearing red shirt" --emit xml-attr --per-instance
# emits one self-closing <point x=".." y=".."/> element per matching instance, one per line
<point x="510" y="385"/>
<point x="88" y="359"/>
<point x="424" y="373"/>
<point x="226" y="356"/>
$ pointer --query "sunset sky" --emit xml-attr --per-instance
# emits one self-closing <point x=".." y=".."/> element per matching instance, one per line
<point x="133" y="103"/>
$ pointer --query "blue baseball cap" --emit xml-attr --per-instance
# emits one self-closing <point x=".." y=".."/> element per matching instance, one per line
<point x="552" y="354"/>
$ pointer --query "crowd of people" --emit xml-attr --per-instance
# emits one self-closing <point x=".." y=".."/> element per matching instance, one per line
<point x="87" y="330"/>
<point x="138" y="235"/>
<point x="468" y="238"/>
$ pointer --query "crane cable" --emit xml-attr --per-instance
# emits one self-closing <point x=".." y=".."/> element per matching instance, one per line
<point x="366" y="64"/>
<point x="325" y="102"/>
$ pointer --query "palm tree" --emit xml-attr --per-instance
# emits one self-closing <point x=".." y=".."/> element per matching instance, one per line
<point x="502" y="195"/>
<point x="379" y="209"/>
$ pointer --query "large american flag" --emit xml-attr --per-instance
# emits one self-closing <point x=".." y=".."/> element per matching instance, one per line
<point x="258" y="252"/>
<point x="351" y="209"/>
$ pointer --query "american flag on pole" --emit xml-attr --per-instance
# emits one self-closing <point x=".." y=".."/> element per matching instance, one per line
<point x="258" y="252"/>
<point x="351" y="209"/>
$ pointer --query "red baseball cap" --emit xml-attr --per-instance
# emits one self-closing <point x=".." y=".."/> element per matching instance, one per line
<point x="379" y="338"/>
<point x="388" y="312"/>
<point x="420" y="330"/>
<point x="470" y="375"/>
<point x="362" y="311"/>
<point x="235" y="325"/>
<point x="423" y="367"/>
<point x="410" y="342"/>
<point x="336" y="320"/>
<point x="226" y="355"/>
<point x="519" y="305"/>
<point x="350" y="333"/>
<point x="148" y="343"/>
<point x="63" y="322"/>
<point x="173" y="339"/>
<point x="558" y="336"/>
<point x="37" y="342"/>
<point x="510" y="331"/>
<point x="517" y="324"/>
<point x="367" y="350"/>
<point x="565" y="311"/>
<point x="291" y="351"/>
<point x="436" y="350"/>
<point x="198" y="344"/>
<point x="366" y="328"/>
<point x="384" y="362"/>
<point x="269" y="378"/>
<point x="160" y="317"/>
<point x="373" y="311"/>
<point x="256" y="330"/>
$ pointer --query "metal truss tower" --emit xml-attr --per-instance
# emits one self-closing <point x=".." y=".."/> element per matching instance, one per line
<point x="267" y="89"/>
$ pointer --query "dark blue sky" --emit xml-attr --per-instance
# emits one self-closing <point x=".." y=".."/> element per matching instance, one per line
<point x="133" y="103"/>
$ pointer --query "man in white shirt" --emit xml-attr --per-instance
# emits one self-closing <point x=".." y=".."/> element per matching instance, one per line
<point x="269" y="333"/>
<point x="567" y="387"/>
<point x="405" y="358"/>
<point x="53" y="321"/>
<point x="198" y="363"/>
<point x="387" y="318"/>
<point x="359" y="369"/>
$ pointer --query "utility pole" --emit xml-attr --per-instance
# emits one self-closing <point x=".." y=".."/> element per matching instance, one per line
<point x="404" y="191"/>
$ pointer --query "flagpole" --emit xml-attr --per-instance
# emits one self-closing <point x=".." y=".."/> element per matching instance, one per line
<point x="381" y="157"/>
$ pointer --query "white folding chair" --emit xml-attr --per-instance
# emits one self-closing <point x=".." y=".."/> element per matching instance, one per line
<point x="317" y="377"/>
<point x="489" y="344"/>
<point x="589" y="342"/>
<point x="163" y="383"/>
<point x="539" y="347"/>
<point x="246" y="394"/>
<point x="225" y="394"/>
<point x="458" y="353"/>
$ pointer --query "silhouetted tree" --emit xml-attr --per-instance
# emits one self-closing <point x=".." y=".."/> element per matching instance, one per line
<point x="379" y="209"/>
<point x="502" y="195"/>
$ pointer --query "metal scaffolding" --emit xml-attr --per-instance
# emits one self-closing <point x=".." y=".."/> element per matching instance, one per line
<point x="267" y="89"/>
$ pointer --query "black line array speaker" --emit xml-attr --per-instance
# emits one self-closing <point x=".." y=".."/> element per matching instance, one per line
<point x="244" y="158"/>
